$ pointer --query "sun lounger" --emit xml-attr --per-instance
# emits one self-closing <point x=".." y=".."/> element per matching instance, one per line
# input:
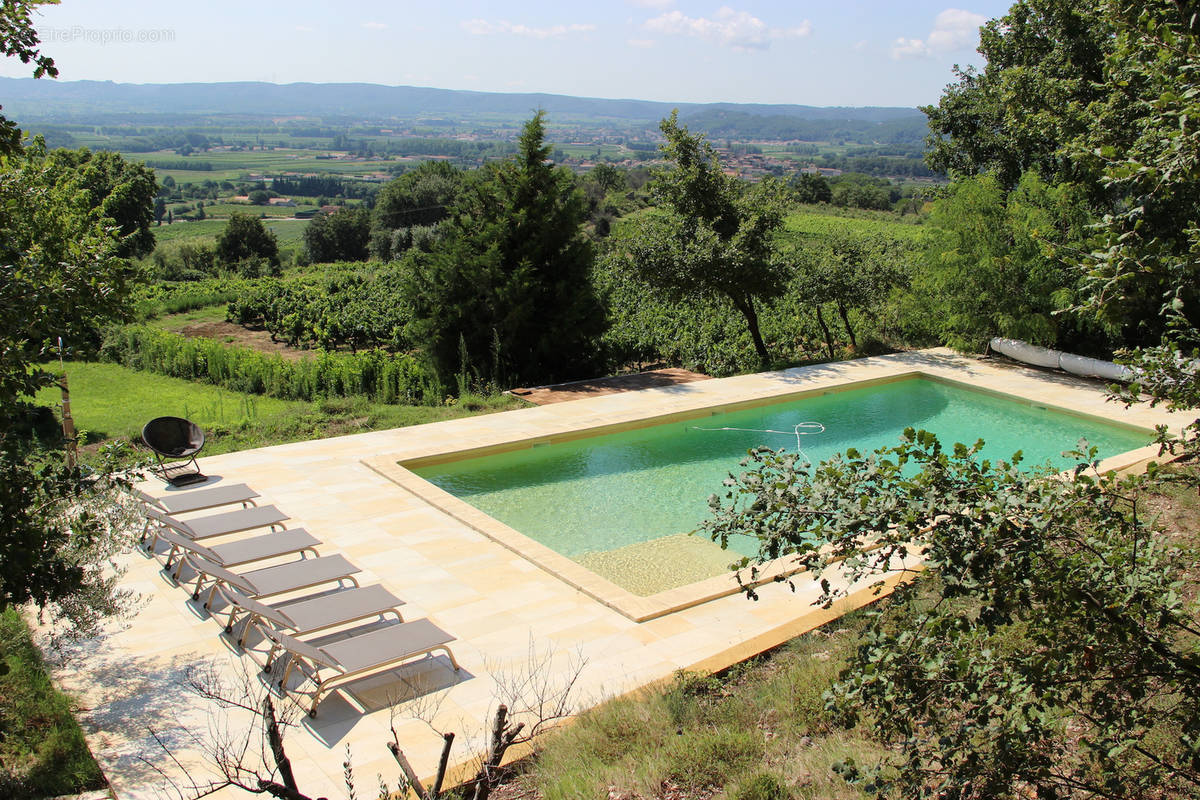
<point x="243" y="519"/>
<point x="357" y="656"/>
<point x="279" y="579"/>
<point x="200" y="499"/>
<point x="312" y="615"/>
<point x="233" y="554"/>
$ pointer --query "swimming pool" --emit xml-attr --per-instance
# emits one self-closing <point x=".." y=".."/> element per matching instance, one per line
<point x="603" y="493"/>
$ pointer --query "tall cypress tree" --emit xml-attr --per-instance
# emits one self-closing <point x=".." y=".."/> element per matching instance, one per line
<point x="508" y="286"/>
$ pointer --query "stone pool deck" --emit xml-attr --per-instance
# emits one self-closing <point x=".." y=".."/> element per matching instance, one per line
<point x="496" y="600"/>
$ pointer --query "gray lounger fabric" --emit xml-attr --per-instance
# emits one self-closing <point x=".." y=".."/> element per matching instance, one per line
<point x="317" y="613"/>
<point x="280" y="579"/>
<point x="243" y="519"/>
<point x="358" y="656"/>
<point x="201" y="499"/>
<point x="297" y="541"/>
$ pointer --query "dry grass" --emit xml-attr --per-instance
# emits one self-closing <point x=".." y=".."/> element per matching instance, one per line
<point x="758" y="731"/>
<point x="755" y="732"/>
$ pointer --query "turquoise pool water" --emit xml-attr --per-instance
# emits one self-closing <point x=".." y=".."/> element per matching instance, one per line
<point x="605" y="492"/>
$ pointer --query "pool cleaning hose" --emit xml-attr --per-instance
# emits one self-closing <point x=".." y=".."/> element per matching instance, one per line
<point x="801" y="429"/>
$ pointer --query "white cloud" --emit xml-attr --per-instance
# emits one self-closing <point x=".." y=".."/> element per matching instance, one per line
<point x="737" y="29"/>
<point x="953" y="29"/>
<point x="483" y="27"/>
<point x="909" y="48"/>
<point x="642" y="43"/>
<point x="305" y="29"/>
<point x="375" y="26"/>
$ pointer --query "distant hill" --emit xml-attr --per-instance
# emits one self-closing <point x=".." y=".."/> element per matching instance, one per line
<point x="44" y="99"/>
<point x="728" y="123"/>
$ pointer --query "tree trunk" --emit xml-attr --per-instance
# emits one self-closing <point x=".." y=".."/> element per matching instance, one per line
<point x="746" y="306"/>
<point x="825" y="329"/>
<point x="503" y="735"/>
<point x="447" y="740"/>
<point x="275" y="738"/>
<point x="846" y="321"/>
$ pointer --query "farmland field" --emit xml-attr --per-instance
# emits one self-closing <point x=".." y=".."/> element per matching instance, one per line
<point x="813" y="222"/>
<point x="228" y="165"/>
<point x="219" y="209"/>
<point x="287" y="231"/>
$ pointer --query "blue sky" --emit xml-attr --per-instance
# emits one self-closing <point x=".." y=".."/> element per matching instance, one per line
<point x="853" y="52"/>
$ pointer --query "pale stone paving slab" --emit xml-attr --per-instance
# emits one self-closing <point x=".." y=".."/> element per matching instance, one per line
<point x="494" y="600"/>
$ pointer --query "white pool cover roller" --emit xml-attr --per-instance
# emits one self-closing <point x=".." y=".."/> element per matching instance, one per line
<point x="1056" y="359"/>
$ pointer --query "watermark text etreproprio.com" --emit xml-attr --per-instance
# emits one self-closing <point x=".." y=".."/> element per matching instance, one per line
<point x="78" y="33"/>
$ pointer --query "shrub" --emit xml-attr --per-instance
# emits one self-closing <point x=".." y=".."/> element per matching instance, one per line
<point x="711" y="757"/>
<point x="174" y="298"/>
<point x="762" y="786"/>
<point x="331" y="310"/>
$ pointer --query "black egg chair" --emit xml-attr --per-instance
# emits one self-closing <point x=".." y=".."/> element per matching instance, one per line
<point x="174" y="439"/>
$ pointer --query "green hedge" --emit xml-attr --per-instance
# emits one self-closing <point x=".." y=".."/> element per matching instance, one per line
<point x="380" y="376"/>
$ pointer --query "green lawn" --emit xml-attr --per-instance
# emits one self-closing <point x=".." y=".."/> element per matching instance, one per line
<point x="42" y="750"/>
<point x="109" y="401"/>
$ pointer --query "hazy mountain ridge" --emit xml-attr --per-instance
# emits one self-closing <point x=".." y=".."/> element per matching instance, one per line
<point x="40" y="99"/>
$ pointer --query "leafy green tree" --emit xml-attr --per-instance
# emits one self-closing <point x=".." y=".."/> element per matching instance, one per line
<point x="1090" y="94"/>
<point x="197" y="258"/>
<point x="506" y="289"/>
<point x="851" y="272"/>
<point x="416" y="201"/>
<point x="340" y="236"/>
<point x="1150" y="248"/>
<point x="710" y="236"/>
<point x="62" y="272"/>
<point x="60" y="275"/>
<point x="422" y="196"/>
<point x="856" y="190"/>
<point x="1046" y="649"/>
<point x="119" y="193"/>
<point x="259" y="197"/>
<point x="246" y="240"/>
<point x="810" y="188"/>
<point x="990" y="270"/>
<point x="1067" y="92"/>
<point x="1149" y="258"/>
<point x="1044" y="84"/>
<point x="1049" y="646"/>
<point x="608" y="178"/>
<point x="19" y="39"/>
